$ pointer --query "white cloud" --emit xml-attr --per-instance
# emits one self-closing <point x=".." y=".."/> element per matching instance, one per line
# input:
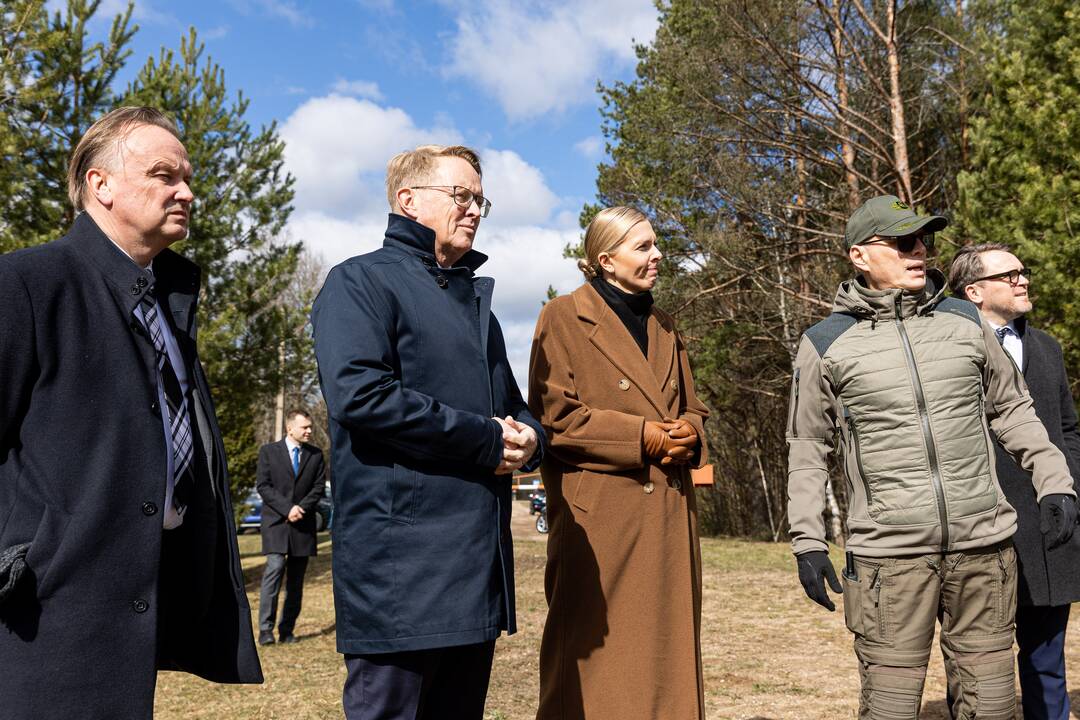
<point x="517" y="190"/>
<point x="591" y="147"/>
<point x="358" y="88"/>
<point x="537" y="57"/>
<point x="285" y="9"/>
<point x="337" y="148"/>
<point x="216" y="33"/>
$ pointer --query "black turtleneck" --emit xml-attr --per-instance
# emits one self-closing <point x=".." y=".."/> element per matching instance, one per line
<point x="632" y="308"/>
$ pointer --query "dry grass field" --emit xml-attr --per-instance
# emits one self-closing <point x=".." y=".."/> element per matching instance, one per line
<point x="769" y="653"/>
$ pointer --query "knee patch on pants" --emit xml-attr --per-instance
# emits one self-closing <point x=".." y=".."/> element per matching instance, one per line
<point x="987" y="687"/>
<point x="891" y="693"/>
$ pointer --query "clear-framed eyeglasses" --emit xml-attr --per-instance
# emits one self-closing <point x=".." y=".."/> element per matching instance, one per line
<point x="463" y="196"/>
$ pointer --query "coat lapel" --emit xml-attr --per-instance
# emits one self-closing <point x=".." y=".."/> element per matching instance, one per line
<point x="613" y="340"/>
<point x="661" y="350"/>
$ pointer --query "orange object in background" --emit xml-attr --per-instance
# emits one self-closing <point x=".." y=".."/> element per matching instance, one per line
<point x="702" y="475"/>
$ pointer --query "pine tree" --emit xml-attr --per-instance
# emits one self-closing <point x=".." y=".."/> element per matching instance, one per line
<point x="55" y="84"/>
<point x="1025" y="184"/>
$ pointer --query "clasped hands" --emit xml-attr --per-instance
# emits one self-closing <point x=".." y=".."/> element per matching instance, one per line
<point x="296" y="514"/>
<point x="519" y="444"/>
<point x="670" y="441"/>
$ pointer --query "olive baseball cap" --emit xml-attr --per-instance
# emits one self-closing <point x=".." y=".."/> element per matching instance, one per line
<point x="888" y="216"/>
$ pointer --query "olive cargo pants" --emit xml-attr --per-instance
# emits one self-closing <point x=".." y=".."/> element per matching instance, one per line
<point x="892" y="607"/>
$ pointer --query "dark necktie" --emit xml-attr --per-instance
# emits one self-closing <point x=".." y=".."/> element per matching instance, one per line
<point x="296" y="462"/>
<point x="1001" y="332"/>
<point x="176" y="403"/>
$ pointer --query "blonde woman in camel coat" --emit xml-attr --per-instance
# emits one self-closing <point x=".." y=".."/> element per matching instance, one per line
<point x="610" y="383"/>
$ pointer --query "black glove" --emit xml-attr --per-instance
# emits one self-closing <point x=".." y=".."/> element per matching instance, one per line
<point x="1057" y="519"/>
<point x="812" y="566"/>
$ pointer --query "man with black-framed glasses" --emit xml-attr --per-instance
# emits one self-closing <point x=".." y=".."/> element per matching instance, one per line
<point x="428" y="426"/>
<point x="908" y="383"/>
<point x="993" y="278"/>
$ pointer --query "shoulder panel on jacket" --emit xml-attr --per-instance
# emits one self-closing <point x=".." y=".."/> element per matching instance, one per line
<point x="825" y="333"/>
<point x="963" y="308"/>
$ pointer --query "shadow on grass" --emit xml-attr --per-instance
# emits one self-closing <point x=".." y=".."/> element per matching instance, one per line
<point x="328" y="630"/>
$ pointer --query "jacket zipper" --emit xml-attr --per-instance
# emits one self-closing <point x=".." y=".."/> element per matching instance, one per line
<point x="853" y="432"/>
<point x="928" y="433"/>
<point x="795" y="404"/>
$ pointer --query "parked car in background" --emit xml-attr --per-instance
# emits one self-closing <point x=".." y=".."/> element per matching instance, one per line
<point x="251" y="513"/>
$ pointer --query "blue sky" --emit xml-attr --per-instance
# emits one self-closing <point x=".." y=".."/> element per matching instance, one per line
<point x="352" y="82"/>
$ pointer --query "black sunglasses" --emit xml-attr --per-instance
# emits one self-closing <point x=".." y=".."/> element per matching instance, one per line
<point x="1013" y="276"/>
<point x="906" y="243"/>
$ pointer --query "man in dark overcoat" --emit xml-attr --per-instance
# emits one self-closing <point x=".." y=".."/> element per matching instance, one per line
<point x="118" y="555"/>
<point x="990" y="276"/>
<point x="427" y="424"/>
<point x="291" y="479"/>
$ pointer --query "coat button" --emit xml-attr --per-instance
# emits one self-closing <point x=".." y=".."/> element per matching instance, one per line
<point x="624" y="384"/>
<point x="135" y="289"/>
<point x="674" y="384"/>
<point x="648" y="487"/>
<point x="676" y="484"/>
<point x="141" y="281"/>
<point x="140" y="606"/>
<point x="149" y="508"/>
<point x="155" y="408"/>
<point x="441" y="281"/>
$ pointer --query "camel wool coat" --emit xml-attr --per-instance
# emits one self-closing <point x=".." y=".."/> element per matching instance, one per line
<point x="623" y="580"/>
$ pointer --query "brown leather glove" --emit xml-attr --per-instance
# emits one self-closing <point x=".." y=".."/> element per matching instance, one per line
<point x="660" y="445"/>
<point x="654" y="439"/>
<point x="683" y="429"/>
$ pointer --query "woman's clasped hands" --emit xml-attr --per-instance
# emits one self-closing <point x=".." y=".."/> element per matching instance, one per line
<point x="670" y="441"/>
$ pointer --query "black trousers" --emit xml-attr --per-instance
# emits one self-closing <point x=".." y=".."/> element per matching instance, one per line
<point x="293" y="569"/>
<point x="438" y="684"/>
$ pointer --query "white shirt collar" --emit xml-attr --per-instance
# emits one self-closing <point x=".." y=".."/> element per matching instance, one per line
<point x="290" y="443"/>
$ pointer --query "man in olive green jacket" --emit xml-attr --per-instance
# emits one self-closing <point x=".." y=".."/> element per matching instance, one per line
<point x="908" y="382"/>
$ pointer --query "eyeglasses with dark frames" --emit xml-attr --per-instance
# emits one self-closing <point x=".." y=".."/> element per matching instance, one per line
<point x="463" y="196"/>
<point x="906" y="243"/>
<point x="1010" y="276"/>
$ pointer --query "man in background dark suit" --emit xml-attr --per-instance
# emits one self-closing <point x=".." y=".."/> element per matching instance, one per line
<point x="997" y="282"/>
<point x="291" y="479"/>
<point x="118" y="552"/>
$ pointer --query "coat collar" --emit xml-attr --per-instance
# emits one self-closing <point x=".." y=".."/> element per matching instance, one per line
<point x="611" y="338"/>
<point x="416" y="239"/>
<point x="175" y="277"/>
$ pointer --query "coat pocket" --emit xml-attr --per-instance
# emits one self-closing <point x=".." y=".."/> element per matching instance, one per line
<point x="44" y="550"/>
<point x="585" y="491"/>
<point x="405" y="488"/>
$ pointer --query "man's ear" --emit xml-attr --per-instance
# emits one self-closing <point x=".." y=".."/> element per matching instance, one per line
<point x="973" y="293"/>
<point x="406" y="200"/>
<point x="857" y="255"/>
<point x="97" y="184"/>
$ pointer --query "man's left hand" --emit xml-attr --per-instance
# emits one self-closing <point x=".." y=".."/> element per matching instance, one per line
<point x="519" y="444"/>
<point x="296" y="514"/>
<point x="1057" y="519"/>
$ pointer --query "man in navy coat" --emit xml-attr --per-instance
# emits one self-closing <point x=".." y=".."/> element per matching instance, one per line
<point x="427" y="426"/>
<point x="291" y="479"/>
<point x="990" y="276"/>
<point x="118" y="553"/>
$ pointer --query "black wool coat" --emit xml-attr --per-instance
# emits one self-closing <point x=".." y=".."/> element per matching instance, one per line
<point x="280" y="490"/>
<point x="82" y="479"/>
<point x="1046" y="577"/>
<point x="413" y="367"/>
